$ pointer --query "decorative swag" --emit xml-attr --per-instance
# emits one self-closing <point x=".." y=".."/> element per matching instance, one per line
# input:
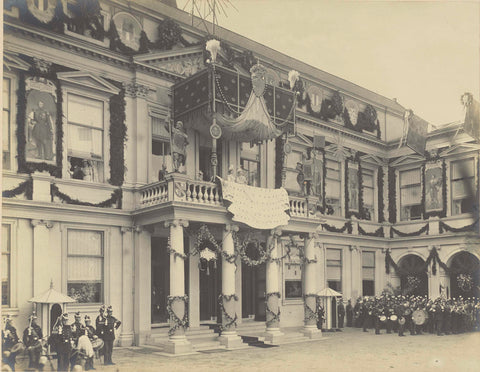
<point x="256" y="207"/>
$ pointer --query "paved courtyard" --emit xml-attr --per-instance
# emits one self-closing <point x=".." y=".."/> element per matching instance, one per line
<point x="351" y="350"/>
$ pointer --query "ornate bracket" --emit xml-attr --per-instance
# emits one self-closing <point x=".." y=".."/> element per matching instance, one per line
<point x="46" y="223"/>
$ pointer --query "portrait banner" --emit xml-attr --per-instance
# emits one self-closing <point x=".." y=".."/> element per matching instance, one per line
<point x="40" y="120"/>
<point x="353" y="188"/>
<point x="433" y="188"/>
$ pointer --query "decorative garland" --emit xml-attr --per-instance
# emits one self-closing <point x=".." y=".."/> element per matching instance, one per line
<point x="275" y="316"/>
<point x="446" y="228"/>
<point x="25" y="166"/>
<point x="366" y="120"/>
<point x="443" y="212"/>
<point x="422" y="230"/>
<point x="118" y="137"/>
<point x="25" y="187"/>
<point x="303" y="256"/>
<point x="287" y="254"/>
<point x="279" y="161"/>
<point x="413" y="281"/>
<point x="377" y="233"/>
<point x="247" y="260"/>
<point x="86" y="16"/>
<point x="116" y="43"/>
<point x="381" y="203"/>
<point x="116" y="198"/>
<point x="231" y="321"/>
<point x="169" y="34"/>
<point x="392" y="195"/>
<point x="177" y="322"/>
<point x="176" y="254"/>
<point x="204" y="236"/>
<point x="433" y="257"/>
<point x="465" y="282"/>
<point x="346" y="226"/>
<point x="309" y="313"/>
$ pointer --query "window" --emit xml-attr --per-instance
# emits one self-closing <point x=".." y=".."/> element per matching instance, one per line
<point x="368" y="273"/>
<point x="368" y="193"/>
<point x="293" y="274"/>
<point x="161" y="155"/>
<point x="463" y="186"/>
<point x="333" y="187"/>
<point x="6" y="122"/>
<point x="85" y="138"/>
<point x="410" y="195"/>
<point x="85" y="265"/>
<point x="250" y="163"/>
<point x="6" y="265"/>
<point x="334" y="269"/>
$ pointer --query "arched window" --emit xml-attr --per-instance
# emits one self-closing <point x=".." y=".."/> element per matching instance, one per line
<point x="464" y="275"/>
<point x="413" y="275"/>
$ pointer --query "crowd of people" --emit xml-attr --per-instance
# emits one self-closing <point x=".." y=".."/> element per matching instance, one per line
<point x="416" y="314"/>
<point x="75" y="344"/>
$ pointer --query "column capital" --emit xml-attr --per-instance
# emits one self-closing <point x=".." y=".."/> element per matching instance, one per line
<point x="385" y="250"/>
<point x="354" y="248"/>
<point x="313" y="235"/>
<point x="46" y="223"/>
<point x="229" y="227"/>
<point x="276" y="232"/>
<point x="134" y="90"/>
<point x="176" y="222"/>
<point x="137" y="229"/>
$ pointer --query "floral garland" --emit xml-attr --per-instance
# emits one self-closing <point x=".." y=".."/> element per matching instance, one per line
<point x="176" y="254"/>
<point x="25" y="187"/>
<point x="392" y="195"/>
<point x="422" y="230"/>
<point x="413" y="281"/>
<point x="303" y="257"/>
<point x="446" y="228"/>
<point x="288" y="248"/>
<point x="118" y="137"/>
<point x="433" y="258"/>
<point x="204" y="235"/>
<point x="23" y="165"/>
<point x="443" y="212"/>
<point x="177" y="322"/>
<point x="116" y="43"/>
<point x="231" y="321"/>
<point x="377" y="233"/>
<point x="346" y="226"/>
<point x="115" y="199"/>
<point x="275" y="316"/>
<point x="247" y="260"/>
<point x="169" y="34"/>
<point x="381" y="202"/>
<point x="279" y="161"/>
<point x="310" y="314"/>
<point x="464" y="282"/>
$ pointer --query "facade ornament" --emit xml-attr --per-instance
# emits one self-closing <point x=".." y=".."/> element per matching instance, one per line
<point x="46" y="223"/>
<point x="135" y="90"/>
<point x="185" y="67"/>
<point x="42" y="65"/>
<point x="231" y="228"/>
<point x="176" y="223"/>
<point x="135" y="229"/>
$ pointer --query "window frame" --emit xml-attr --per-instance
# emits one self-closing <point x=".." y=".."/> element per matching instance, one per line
<point x="249" y="157"/>
<point x="411" y="186"/>
<point x="105" y="231"/>
<point x="369" y="267"/>
<point x="339" y="180"/>
<point x="340" y="265"/>
<point x="12" y="307"/>
<point x="374" y="187"/>
<point x="452" y="181"/>
<point x="12" y="115"/>
<point x="294" y="262"/>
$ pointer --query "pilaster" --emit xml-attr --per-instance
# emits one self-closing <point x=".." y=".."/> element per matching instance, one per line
<point x="41" y="246"/>
<point x="310" y="329"/>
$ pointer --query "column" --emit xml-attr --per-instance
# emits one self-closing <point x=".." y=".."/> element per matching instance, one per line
<point x="41" y="247"/>
<point x="356" y="271"/>
<point x="126" y="334"/>
<point x="229" y="336"/>
<point x="310" y="329"/>
<point x="272" y="333"/>
<point x="178" y="300"/>
<point x="143" y="294"/>
<point x="194" y="288"/>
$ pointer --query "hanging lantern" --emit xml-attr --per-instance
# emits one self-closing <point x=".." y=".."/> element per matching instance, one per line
<point x="293" y="76"/>
<point x="213" y="46"/>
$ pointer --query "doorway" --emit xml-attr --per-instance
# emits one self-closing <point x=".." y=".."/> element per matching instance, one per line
<point x="160" y="280"/>
<point x="253" y="292"/>
<point x="210" y="289"/>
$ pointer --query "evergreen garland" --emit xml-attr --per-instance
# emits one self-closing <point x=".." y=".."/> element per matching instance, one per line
<point x="118" y="137"/>
<point x="275" y="316"/>
<point x="231" y="321"/>
<point x="377" y="233"/>
<point x="381" y="203"/>
<point x="392" y="195"/>
<point x="115" y="199"/>
<point x="177" y="322"/>
<point x="309" y="313"/>
<point x="116" y="43"/>
<point x="447" y="228"/>
<point x="86" y="17"/>
<point x="25" y="187"/>
<point x="279" y="160"/>
<point x="422" y="230"/>
<point x="169" y="34"/>
<point x="346" y="227"/>
<point x="56" y="24"/>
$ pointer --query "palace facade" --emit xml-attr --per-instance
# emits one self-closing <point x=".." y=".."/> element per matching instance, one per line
<point x="111" y="201"/>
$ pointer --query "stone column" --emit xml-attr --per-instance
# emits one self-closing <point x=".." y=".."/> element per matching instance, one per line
<point x="177" y="343"/>
<point x="310" y="329"/>
<point x="41" y="247"/>
<point x="356" y="272"/>
<point x="229" y="336"/>
<point x="126" y="334"/>
<point x="272" y="333"/>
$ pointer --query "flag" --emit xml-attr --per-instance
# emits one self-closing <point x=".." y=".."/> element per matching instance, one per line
<point x="471" y="124"/>
<point x="416" y="132"/>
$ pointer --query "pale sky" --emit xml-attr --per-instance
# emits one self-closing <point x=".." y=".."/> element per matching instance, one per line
<point x="425" y="54"/>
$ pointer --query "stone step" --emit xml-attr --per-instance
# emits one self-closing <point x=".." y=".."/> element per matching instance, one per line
<point x="207" y="346"/>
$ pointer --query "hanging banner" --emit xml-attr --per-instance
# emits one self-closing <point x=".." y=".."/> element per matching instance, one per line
<point x="433" y="188"/>
<point x="353" y="187"/>
<point x="255" y="206"/>
<point x="417" y="133"/>
<point x="472" y="116"/>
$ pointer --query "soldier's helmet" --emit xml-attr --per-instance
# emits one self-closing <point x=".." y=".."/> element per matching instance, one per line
<point x="109" y="309"/>
<point x="65" y="316"/>
<point x="102" y="309"/>
<point x="32" y="317"/>
<point x="77" y="315"/>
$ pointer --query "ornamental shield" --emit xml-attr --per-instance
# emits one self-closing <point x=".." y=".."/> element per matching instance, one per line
<point x="258" y="79"/>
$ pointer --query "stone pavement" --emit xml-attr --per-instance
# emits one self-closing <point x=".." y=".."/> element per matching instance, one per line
<point x="351" y="350"/>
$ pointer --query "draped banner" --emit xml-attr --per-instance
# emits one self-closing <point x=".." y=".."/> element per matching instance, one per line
<point x="256" y="207"/>
<point x="472" y="116"/>
<point x="417" y="133"/>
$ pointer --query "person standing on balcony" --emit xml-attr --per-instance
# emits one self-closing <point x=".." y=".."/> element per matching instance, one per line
<point x="179" y="146"/>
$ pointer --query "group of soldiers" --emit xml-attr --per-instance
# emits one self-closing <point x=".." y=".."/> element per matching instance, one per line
<point x="75" y="344"/>
<point x="417" y="314"/>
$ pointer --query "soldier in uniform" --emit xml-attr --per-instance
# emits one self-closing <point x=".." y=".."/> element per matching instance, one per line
<point x="340" y="313"/>
<point x="111" y="323"/>
<point x="64" y="341"/>
<point x="439" y="316"/>
<point x="349" y="312"/>
<point x="89" y="331"/>
<point x="77" y="328"/>
<point x="32" y="336"/>
<point x="399" y="311"/>
<point x="100" y="322"/>
<point x="356" y="312"/>
<point x="9" y="340"/>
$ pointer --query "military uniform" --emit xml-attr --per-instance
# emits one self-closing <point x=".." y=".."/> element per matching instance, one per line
<point x="111" y="323"/>
<point x="9" y="340"/>
<point x="90" y="332"/>
<point x="32" y="337"/>
<point x="78" y="329"/>
<point x="341" y="314"/>
<point x="64" y="340"/>
<point x="349" y="313"/>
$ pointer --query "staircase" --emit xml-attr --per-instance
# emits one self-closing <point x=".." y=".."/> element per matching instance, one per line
<point x="253" y="333"/>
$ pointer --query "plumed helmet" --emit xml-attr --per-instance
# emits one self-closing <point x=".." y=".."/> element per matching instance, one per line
<point x="110" y="309"/>
<point x="87" y="318"/>
<point x="77" y="315"/>
<point x="102" y="308"/>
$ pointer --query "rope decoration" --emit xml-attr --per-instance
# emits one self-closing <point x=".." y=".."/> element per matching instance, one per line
<point x="115" y="199"/>
<point x="177" y="322"/>
<point x="231" y="321"/>
<point x="310" y="314"/>
<point x="275" y="317"/>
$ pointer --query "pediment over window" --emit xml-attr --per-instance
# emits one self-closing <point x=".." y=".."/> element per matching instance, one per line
<point x="182" y="62"/>
<point x="87" y="80"/>
<point x="458" y="149"/>
<point x="11" y="61"/>
<point x="407" y="159"/>
<point x="369" y="158"/>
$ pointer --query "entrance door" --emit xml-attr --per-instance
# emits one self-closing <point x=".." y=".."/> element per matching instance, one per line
<point x="210" y="289"/>
<point x="160" y="280"/>
<point x="253" y="292"/>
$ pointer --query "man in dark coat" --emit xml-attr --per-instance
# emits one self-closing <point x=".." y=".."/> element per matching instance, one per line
<point x="349" y="312"/>
<point x="9" y="340"/>
<point x="77" y="328"/>
<point x="111" y="324"/>
<point x="341" y="313"/>
<point x="100" y="322"/>
<point x="357" y="313"/>
<point x="64" y="341"/>
<point x="32" y="336"/>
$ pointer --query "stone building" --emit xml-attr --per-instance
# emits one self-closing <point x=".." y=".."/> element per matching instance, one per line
<point x="110" y="199"/>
